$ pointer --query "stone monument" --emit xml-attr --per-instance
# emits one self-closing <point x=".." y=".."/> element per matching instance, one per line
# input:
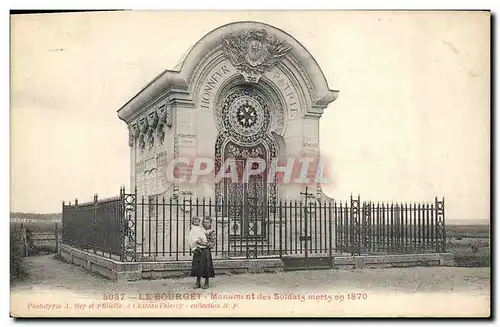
<point x="245" y="90"/>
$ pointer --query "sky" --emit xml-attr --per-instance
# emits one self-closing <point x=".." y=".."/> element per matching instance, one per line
<point x="411" y="121"/>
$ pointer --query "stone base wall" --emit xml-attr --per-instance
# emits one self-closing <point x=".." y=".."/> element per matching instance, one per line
<point x="393" y="261"/>
<point x="109" y="268"/>
<point x="157" y="270"/>
<point x="125" y="271"/>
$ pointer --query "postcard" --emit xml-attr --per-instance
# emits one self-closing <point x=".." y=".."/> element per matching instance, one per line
<point x="250" y="164"/>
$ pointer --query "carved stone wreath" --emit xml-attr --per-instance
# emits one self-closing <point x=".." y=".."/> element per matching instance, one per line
<point x="254" y="51"/>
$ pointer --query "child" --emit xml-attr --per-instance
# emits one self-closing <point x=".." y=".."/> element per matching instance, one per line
<point x="202" y="265"/>
<point x="210" y="234"/>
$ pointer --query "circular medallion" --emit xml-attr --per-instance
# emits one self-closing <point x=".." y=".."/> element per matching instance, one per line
<point x="246" y="115"/>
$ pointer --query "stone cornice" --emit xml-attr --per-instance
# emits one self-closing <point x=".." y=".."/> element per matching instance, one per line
<point x="329" y="97"/>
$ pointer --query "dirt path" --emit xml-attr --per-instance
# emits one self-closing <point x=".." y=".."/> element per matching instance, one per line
<point x="398" y="291"/>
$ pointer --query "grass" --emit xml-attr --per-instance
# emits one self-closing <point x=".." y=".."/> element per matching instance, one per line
<point x="35" y="246"/>
<point x="17" y="259"/>
<point x="470" y="245"/>
<point x="468" y="231"/>
<point x="40" y="226"/>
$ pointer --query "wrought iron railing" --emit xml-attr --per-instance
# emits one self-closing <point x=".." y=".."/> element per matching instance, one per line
<point x="133" y="228"/>
<point x="96" y="226"/>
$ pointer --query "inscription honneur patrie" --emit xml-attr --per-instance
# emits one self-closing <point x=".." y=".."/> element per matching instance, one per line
<point x="210" y="86"/>
<point x="288" y="91"/>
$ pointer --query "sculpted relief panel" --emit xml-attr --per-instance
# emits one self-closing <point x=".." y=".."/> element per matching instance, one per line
<point x="150" y="128"/>
<point x="254" y="52"/>
<point x="149" y="174"/>
<point x="251" y="53"/>
<point x="147" y="138"/>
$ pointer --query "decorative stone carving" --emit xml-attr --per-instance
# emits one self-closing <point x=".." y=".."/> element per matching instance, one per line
<point x="131" y="136"/>
<point x="236" y="151"/>
<point x="254" y="51"/>
<point x="135" y="130"/>
<point x="165" y="114"/>
<point x="151" y="138"/>
<point x="143" y="124"/>
<point x="153" y="119"/>
<point x="162" y="113"/>
<point x="169" y="116"/>
<point x="142" y="143"/>
<point x="263" y="94"/>
<point x="161" y="133"/>
<point x="245" y="114"/>
<point x="133" y="133"/>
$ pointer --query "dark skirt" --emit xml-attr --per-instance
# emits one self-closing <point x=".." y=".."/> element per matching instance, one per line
<point x="203" y="265"/>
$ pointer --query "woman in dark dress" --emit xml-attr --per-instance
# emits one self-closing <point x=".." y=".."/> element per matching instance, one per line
<point x="202" y="240"/>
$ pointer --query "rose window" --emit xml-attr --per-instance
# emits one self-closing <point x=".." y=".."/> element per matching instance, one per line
<point x="246" y="115"/>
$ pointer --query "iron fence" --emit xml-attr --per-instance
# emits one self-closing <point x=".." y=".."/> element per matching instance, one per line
<point x="132" y="228"/>
<point x="95" y="226"/>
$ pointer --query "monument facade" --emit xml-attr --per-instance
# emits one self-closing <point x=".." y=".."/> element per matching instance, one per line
<point x="246" y="90"/>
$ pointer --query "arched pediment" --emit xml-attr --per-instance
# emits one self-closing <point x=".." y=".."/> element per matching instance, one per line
<point x="253" y="48"/>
